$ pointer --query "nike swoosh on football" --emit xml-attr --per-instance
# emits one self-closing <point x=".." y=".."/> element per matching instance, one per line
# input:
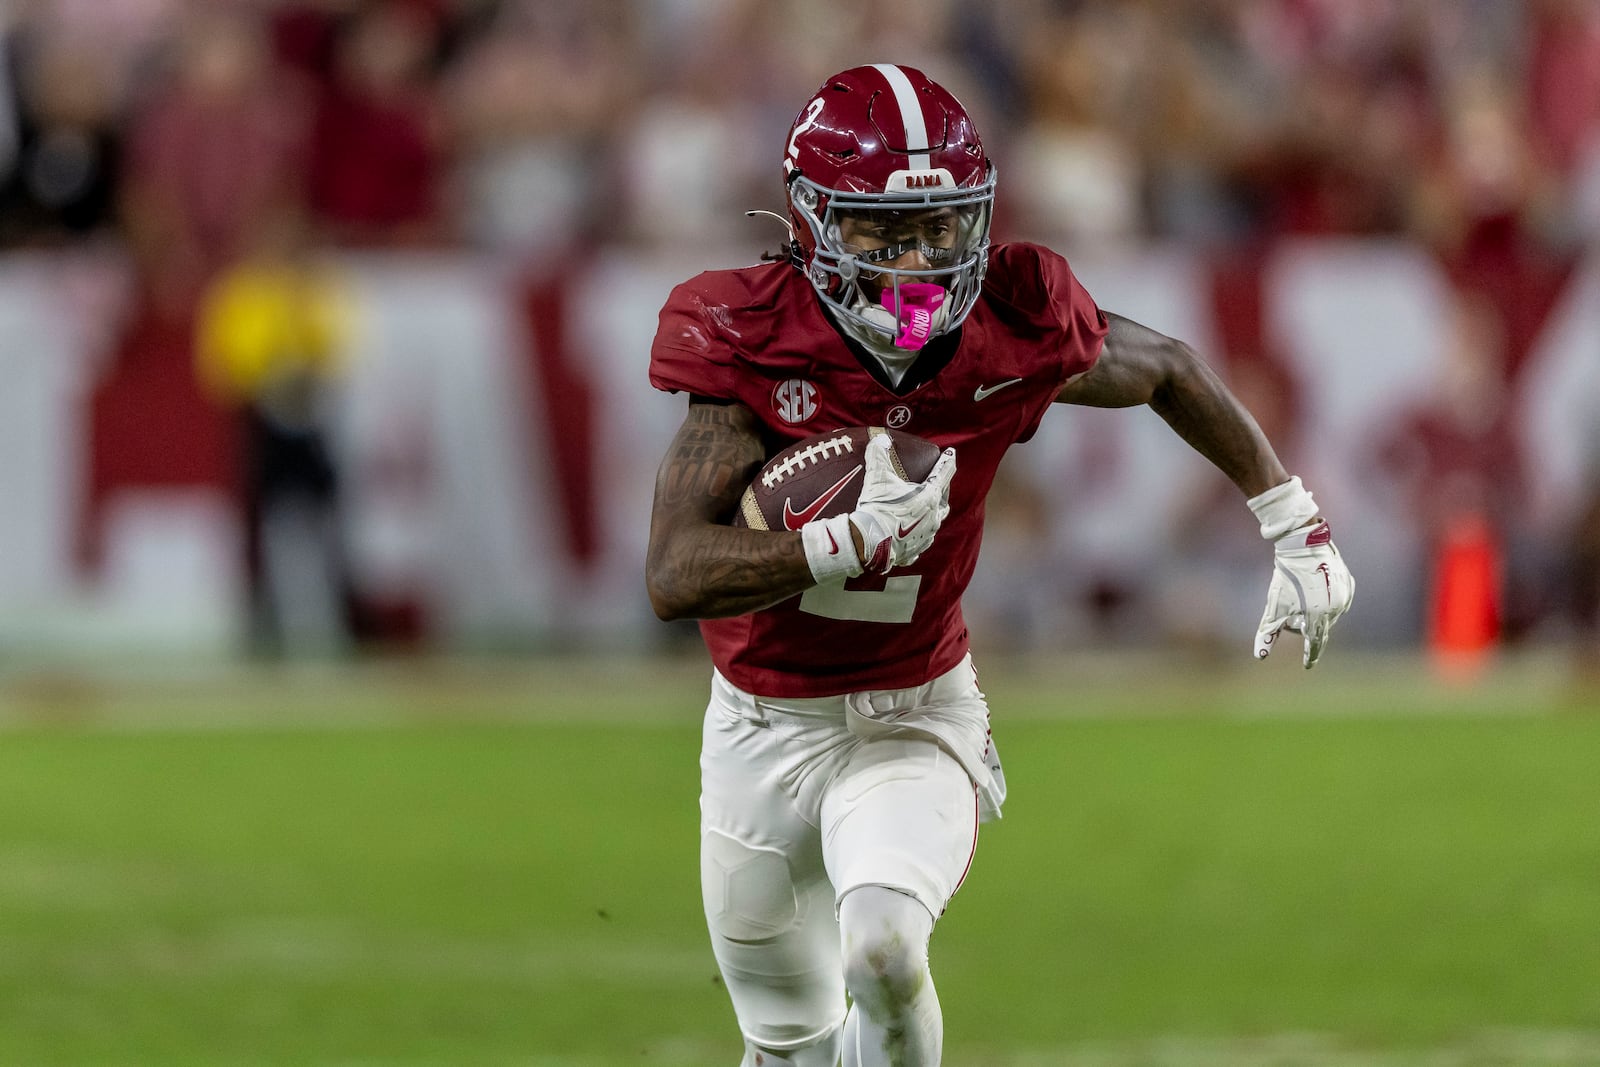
<point x="985" y="390"/>
<point x="793" y="520"/>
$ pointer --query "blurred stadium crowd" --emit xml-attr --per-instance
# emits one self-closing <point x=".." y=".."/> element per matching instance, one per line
<point x="208" y="140"/>
<point x="186" y="127"/>
<point x="520" y="125"/>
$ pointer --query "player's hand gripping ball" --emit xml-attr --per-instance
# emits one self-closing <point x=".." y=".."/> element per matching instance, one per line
<point x="821" y="476"/>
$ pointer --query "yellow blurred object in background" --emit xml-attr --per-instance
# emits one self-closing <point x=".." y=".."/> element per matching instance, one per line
<point x="265" y="324"/>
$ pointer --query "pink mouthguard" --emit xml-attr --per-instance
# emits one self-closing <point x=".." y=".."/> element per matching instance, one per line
<point x="918" y="302"/>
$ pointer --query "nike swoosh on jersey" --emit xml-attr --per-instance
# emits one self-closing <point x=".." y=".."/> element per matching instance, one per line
<point x="793" y="520"/>
<point x="986" y="390"/>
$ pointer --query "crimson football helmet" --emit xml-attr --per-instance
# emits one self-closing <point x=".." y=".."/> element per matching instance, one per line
<point x="886" y="142"/>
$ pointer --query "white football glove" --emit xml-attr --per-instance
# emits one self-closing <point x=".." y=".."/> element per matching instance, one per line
<point x="897" y="519"/>
<point x="1311" y="587"/>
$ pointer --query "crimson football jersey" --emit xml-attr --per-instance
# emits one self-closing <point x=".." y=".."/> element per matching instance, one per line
<point x="759" y="337"/>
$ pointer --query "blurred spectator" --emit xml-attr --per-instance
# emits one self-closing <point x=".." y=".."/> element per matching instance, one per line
<point x="1485" y="196"/>
<point x="1563" y="81"/>
<point x="533" y="104"/>
<point x="1339" y="162"/>
<point x="216" y="157"/>
<point x="1492" y="211"/>
<point x="1563" y="89"/>
<point x="699" y="109"/>
<point x="378" y="153"/>
<point x="303" y="34"/>
<point x="1213" y="100"/>
<point x="124" y="34"/>
<point x="1075" y="172"/>
<point x="270" y="331"/>
<point x="63" y="137"/>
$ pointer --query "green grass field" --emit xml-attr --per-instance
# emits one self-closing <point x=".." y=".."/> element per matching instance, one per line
<point x="496" y="865"/>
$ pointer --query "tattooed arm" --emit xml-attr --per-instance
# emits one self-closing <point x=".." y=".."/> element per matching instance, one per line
<point x="1140" y="366"/>
<point x="697" y="566"/>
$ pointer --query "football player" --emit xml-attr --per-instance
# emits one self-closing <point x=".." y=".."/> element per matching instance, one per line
<point x="846" y="759"/>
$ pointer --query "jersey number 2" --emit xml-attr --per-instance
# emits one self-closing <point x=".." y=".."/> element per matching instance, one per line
<point x="895" y="602"/>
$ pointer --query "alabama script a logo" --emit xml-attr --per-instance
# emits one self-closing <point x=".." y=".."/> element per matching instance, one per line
<point x="795" y="401"/>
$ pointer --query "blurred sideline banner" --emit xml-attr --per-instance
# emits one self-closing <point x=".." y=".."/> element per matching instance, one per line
<point x="459" y="483"/>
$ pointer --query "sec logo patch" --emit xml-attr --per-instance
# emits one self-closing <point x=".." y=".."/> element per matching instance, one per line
<point x="795" y="401"/>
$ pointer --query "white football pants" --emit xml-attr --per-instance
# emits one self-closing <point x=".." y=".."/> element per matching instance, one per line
<point x="803" y="801"/>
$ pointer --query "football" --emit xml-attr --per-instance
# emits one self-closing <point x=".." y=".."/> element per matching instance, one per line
<point x="820" y="476"/>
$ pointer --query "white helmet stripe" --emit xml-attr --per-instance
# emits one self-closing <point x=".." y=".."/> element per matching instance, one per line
<point x="910" y="113"/>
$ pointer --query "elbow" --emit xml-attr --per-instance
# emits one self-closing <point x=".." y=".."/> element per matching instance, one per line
<point x="669" y="583"/>
<point x="668" y="599"/>
<point x="666" y="608"/>
<point x="662" y="602"/>
<point x="658" y="584"/>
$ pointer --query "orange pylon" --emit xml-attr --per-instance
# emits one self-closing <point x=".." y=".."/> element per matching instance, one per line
<point x="1464" y="602"/>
